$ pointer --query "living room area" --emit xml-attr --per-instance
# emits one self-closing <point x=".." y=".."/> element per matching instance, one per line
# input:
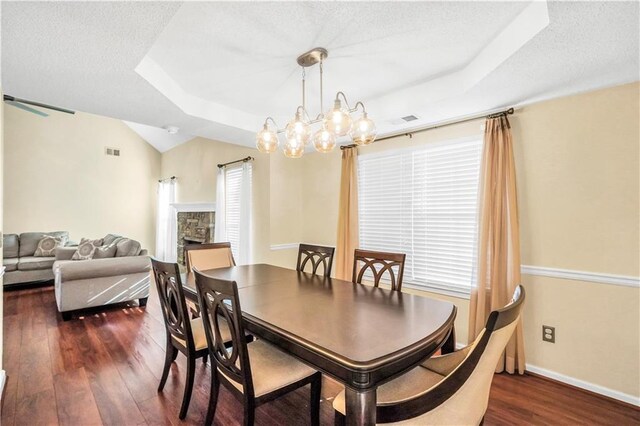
<point x="138" y="134"/>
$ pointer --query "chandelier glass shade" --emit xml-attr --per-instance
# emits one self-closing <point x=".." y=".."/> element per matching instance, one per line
<point x="337" y="122"/>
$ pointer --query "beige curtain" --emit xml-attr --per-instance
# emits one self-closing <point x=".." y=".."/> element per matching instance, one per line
<point x="348" y="232"/>
<point x="498" y="239"/>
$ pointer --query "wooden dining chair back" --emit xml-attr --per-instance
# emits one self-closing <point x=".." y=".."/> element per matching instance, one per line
<point x="279" y="373"/>
<point x="455" y="387"/>
<point x="183" y="334"/>
<point x="220" y="307"/>
<point x="208" y="256"/>
<point x="379" y="263"/>
<point x="315" y="256"/>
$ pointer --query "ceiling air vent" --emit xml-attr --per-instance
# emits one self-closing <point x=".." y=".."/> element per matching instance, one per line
<point x="112" y="151"/>
<point x="403" y="120"/>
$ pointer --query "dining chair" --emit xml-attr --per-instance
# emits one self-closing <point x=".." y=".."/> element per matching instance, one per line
<point x="384" y="261"/>
<point x="255" y="373"/>
<point x="452" y="388"/>
<point x="183" y="334"/>
<point x="208" y="256"/>
<point x="317" y="255"/>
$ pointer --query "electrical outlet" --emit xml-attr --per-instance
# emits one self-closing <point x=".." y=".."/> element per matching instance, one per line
<point x="548" y="334"/>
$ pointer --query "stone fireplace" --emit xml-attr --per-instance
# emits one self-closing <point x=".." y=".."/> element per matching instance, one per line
<point x="194" y="224"/>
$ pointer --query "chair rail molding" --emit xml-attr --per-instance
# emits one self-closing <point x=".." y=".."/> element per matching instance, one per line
<point x="288" y="246"/>
<point x="570" y="274"/>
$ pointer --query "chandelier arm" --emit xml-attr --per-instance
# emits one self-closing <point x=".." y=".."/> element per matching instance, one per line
<point x="266" y="120"/>
<point x="344" y="97"/>
<point x="301" y="107"/>
<point x="355" y="108"/>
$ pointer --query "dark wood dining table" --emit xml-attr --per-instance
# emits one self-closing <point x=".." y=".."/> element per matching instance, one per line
<point x="361" y="335"/>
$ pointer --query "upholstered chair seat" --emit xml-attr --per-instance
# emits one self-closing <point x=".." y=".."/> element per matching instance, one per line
<point x="416" y="381"/>
<point x="199" y="336"/>
<point x="272" y="369"/>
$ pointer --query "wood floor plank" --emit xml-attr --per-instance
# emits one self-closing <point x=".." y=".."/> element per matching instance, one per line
<point x="74" y="400"/>
<point x="37" y="409"/>
<point x="11" y="363"/>
<point x="35" y="373"/>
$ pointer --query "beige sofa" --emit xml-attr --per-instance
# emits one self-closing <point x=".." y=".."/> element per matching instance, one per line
<point x="21" y="266"/>
<point x="83" y="284"/>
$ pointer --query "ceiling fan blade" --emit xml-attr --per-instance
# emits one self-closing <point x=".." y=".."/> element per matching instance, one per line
<point x="27" y="108"/>
<point x="9" y="98"/>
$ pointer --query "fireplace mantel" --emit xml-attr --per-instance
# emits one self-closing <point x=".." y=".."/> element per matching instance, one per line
<point x="194" y="207"/>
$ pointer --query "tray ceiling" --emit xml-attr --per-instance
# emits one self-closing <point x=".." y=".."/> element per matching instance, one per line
<point x="216" y="69"/>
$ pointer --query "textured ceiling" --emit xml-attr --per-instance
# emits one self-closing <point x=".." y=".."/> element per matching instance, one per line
<point x="216" y="69"/>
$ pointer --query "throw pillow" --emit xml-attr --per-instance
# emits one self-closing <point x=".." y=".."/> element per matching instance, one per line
<point x="86" y="249"/>
<point x="47" y="246"/>
<point x="110" y="239"/>
<point x="127" y="247"/>
<point x="105" y="251"/>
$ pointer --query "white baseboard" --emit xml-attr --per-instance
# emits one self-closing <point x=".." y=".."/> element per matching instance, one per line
<point x="3" y="380"/>
<point x="630" y="399"/>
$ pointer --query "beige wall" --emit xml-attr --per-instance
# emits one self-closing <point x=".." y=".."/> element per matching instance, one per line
<point x="194" y="164"/>
<point x="578" y="183"/>
<point x="57" y="176"/>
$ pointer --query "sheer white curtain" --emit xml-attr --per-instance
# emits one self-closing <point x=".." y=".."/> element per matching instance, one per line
<point x="165" y="227"/>
<point x="220" y="227"/>
<point x="233" y="210"/>
<point x="244" y="242"/>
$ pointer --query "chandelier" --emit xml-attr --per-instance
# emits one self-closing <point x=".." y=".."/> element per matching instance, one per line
<point x="336" y="123"/>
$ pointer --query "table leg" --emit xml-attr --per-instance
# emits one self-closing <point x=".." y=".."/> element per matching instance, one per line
<point x="360" y="407"/>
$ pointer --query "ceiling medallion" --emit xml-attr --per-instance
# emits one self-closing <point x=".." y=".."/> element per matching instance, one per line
<point x="337" y="122"/>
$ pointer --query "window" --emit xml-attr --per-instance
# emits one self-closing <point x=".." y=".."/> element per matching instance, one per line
<point x="237" y="210"/>
<point x="423" y="202"/>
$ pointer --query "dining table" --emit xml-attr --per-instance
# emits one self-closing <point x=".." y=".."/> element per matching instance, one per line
<point x="362" y="336"/>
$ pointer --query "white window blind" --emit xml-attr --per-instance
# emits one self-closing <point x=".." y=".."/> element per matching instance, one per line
<point x="233" y="200"/>
<point x="423" y="202"/>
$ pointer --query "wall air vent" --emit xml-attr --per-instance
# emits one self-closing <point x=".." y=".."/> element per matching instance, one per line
<point x="112" y="151"/>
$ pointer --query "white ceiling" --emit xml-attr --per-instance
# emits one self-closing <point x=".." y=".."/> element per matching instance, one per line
<point x="217" y="69"/>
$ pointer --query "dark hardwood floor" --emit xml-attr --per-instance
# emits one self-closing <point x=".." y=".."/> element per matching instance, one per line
<point x="104" y="368"/>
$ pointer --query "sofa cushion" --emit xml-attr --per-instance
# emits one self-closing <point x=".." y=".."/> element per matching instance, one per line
<point x="11" y="264"/>
<point x="109" y="239"/>
<point x="47" y="246"/>
<point x="11" y="244"/>
<point x="86" y="249"/>
<point x="105" y="251"/>
<point x="32" y="263"/>
<point x="127" y="247"/>
<point x="29" y="241"/>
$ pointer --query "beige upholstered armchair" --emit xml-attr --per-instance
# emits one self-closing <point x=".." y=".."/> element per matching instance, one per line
<point x="452" y="389"/>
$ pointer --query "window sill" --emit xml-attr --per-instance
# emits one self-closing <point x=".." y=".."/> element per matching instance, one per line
<point x="459" y="294"/>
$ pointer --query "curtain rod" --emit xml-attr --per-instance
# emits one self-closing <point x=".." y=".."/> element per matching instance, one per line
<point x="503" y="113"/>
<point x="169" y="178"/>
<point x="242" y="160"/>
